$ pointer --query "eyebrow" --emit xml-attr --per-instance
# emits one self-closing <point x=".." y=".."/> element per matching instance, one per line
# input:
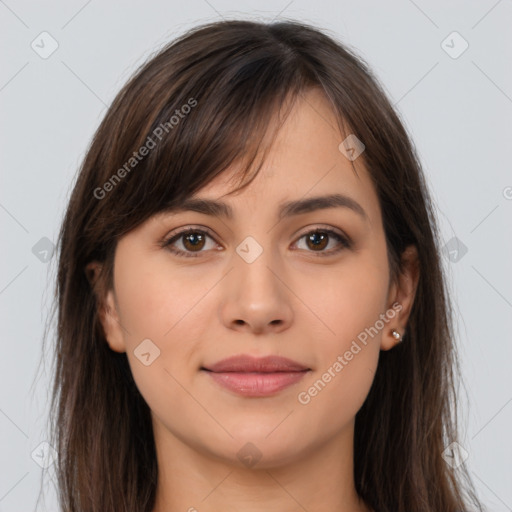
<point x="287" y="209"/>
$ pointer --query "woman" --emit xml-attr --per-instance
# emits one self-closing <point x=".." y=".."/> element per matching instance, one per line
<point x="252" y="313"/>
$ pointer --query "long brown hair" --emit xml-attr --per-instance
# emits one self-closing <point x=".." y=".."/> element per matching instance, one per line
<point x="207" y="100"/>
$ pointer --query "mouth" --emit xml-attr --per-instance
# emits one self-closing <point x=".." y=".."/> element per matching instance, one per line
<point x="256" y="377"/>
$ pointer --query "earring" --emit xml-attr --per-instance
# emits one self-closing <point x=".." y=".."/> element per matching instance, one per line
<point x="396" y="335"/>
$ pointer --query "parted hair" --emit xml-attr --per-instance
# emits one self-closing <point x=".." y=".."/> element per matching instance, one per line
<point x="240" y="74"/>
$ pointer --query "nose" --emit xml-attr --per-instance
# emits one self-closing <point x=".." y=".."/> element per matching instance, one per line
<point x="256" y="297"/>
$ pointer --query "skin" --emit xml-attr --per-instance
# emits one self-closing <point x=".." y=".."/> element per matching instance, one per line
<point x="290" y="301"/>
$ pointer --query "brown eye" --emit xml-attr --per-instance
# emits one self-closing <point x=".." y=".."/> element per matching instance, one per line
<point x="319" y="239"/>
<point x="193" y="241"/>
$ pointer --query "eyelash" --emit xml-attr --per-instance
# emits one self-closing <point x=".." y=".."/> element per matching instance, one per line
<point x="167" y="243"/>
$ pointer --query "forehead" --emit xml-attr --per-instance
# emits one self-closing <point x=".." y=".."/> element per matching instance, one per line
<point x="304" y="162"/>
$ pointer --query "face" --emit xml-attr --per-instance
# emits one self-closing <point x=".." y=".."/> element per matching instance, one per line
<point x="311" y="285"/>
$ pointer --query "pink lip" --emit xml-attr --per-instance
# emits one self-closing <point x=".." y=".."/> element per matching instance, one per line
<point x="245" y="363"/>
<point x="250" y="376"/>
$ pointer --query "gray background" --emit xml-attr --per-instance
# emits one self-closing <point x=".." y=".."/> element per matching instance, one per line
<point x="458" y="111"/>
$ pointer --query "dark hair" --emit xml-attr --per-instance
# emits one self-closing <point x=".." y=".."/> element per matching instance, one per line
<point x="234" y="77"/>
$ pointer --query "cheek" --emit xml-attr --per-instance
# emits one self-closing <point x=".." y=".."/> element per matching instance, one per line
<point x="351" y="308"/>
<point x="163" y="307"/>
<point x="351" y="298"/>
<point x="334" y="395"/>
<point x="154" y="299"/>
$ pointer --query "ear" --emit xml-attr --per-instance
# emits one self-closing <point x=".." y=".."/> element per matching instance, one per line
<point x="107" y="307"/>
<point x="403" y="292"/>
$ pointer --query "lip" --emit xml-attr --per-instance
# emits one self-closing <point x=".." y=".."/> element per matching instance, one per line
<point x="245" y="363"/>
<point x="256" y="377"/>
